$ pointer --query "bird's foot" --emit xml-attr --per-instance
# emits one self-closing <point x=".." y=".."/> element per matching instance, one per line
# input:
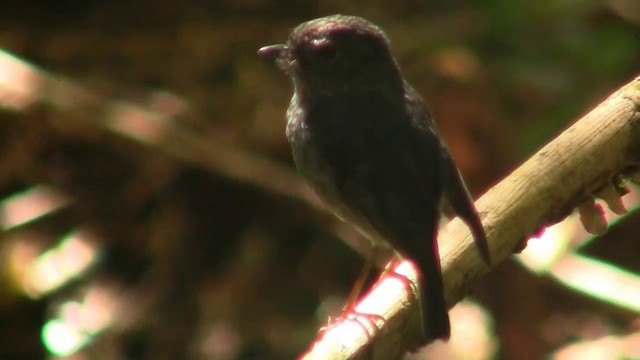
<point x="367" y="322"/>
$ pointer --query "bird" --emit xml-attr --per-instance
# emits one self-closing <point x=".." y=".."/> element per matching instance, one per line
<point x="367" y="144"/>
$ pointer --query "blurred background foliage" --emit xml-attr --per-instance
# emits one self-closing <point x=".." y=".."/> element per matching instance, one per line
<point x="149" y="205"/>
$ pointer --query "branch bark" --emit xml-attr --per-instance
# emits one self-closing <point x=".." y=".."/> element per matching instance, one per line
<point x="570" y="169"/>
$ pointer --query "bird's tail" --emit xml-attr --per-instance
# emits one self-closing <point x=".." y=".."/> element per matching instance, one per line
<point x="435" y="318"/>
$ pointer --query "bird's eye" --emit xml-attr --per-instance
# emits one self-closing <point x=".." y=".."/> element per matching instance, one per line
<point x="327" y="52"/>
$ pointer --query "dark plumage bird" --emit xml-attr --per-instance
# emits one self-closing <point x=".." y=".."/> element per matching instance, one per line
<point x="365" y="141"/>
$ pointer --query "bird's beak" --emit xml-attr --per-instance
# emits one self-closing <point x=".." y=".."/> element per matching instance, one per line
<point x="272" y="52"/>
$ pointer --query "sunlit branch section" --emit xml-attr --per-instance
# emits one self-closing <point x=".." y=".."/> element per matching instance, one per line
<point x="30" y="205"/>
<point x="557" y="240"/>
<point x="600" y="280"/>
<point x="152" y="125"/>
<point x="554" y="253"/>
<point x="40" y="273"/>
<point x="554" y="242"/>
<point x="137" y="123"/>
<point x="472" y="333"/>
<point x="20" y="83"/>
<point x="77" y="322"/>
<point x="609" y="347"/>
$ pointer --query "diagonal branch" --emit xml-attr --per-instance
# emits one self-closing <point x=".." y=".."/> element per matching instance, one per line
<point x="570" y="169"/>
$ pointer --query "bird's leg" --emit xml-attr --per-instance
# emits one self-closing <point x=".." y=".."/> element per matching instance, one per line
<point x="356" y="290"/>
<point x="348" y="311"/>
<point x="368" y="321"/>
<point x="407" y="283"/>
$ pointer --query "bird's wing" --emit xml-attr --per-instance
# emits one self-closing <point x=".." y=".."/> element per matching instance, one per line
<point x="459" y="198"/>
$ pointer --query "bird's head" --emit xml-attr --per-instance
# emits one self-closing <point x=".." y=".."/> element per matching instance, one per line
<point x="336" y="52"/>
